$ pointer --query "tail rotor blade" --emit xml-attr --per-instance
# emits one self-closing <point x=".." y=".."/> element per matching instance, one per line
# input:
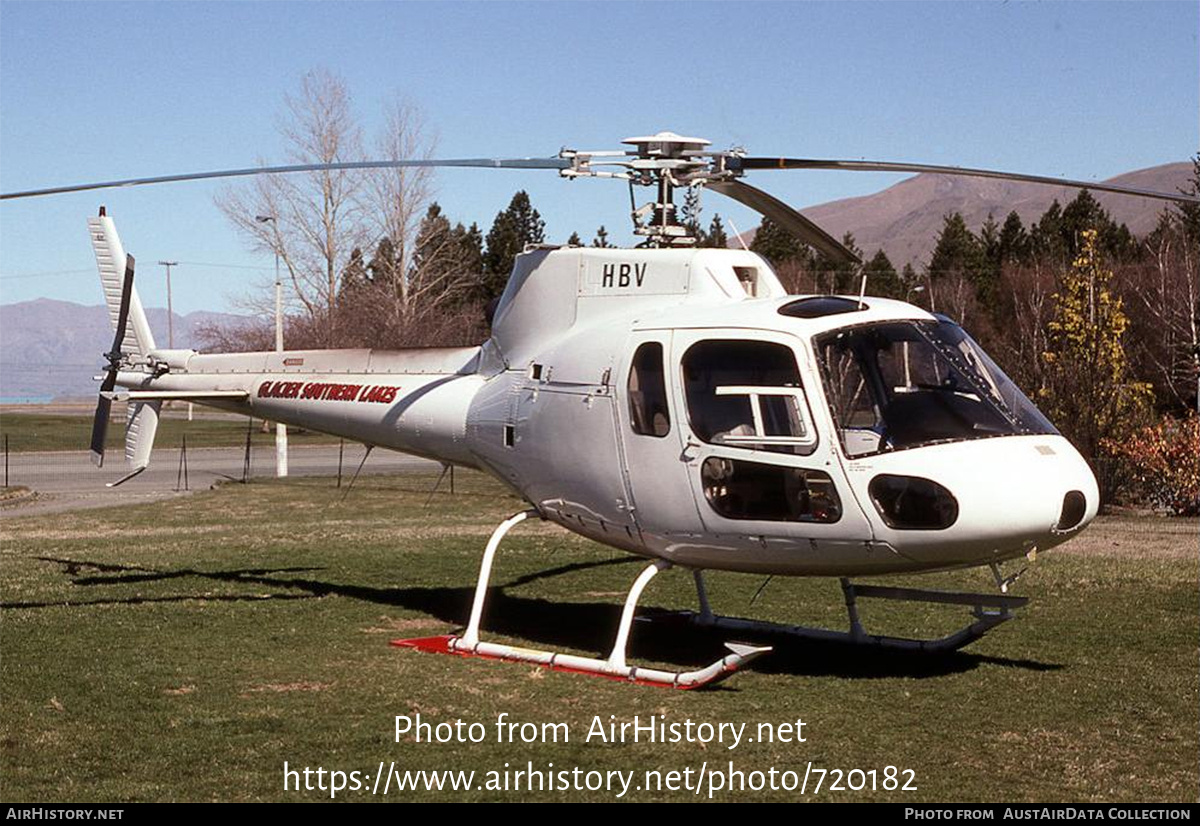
<point x="114" y="355"/>
<point x="100" y="429"/>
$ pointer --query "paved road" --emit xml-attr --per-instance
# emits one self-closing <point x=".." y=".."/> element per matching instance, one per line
<point x="66" y="481"/>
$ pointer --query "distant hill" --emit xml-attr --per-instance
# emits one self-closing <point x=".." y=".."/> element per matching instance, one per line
<point x="904" y="219"/>
<point x="53" y="348"/>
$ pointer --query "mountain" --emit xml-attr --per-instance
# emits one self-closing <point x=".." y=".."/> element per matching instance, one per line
<point x="905" y="219"/>
<point x="53" y="348"/>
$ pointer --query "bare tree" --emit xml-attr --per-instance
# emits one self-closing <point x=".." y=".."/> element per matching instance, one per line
<point x="348" y="239"/>
<point x="393" y="201"/>
<point x="1164" y="299"/>
<point x="315" y="220"/>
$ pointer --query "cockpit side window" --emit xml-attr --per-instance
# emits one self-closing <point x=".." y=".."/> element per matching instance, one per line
<point x="747" y="394"/>
<point x="647" y="389"/>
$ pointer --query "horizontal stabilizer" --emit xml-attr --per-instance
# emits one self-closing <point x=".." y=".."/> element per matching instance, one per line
<point x="175" y="395"/>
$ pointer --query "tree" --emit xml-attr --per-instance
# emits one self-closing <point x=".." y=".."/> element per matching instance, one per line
<point x="716" y="236"/>
<point x="690" y="215"/>
<point x="1013" y="241"/>
<point x="1046" y="236"/>
<point x="356" y="277"/>
<point x="320" y="223"/>
<point x="955" y="269"/>
<point x="574" y="240"/>
<point x="1056" y="238"/>
<point x="1165" y="309"/>
<point x="882" y="279"/>
<point x="842" y="274"/>
<point x="315" y="218"/>
<point x="514" y="228"/>
<point x="393" y="201"/>
<point x="601" y="239"/>
<point x="443" y="269"/>
<point x="776" y="244"/>
<point x="1088" y="388"/>
<point x="958" y="251"/>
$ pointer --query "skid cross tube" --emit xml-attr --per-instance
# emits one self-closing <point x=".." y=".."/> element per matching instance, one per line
<point x="614" y="667"/>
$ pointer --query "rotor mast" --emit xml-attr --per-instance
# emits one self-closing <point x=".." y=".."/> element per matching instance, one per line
<point x="666" y="161"/>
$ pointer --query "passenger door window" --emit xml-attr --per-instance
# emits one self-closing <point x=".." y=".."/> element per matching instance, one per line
<point x="747" y="394"/>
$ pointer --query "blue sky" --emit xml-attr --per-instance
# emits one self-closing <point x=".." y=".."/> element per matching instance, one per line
<point x="94" y="91"/>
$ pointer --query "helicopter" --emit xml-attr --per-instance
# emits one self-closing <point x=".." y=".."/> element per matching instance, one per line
<point x="674" y="402"/>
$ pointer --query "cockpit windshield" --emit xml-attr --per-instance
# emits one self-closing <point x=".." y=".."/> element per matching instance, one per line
<point x="903" y="384"/>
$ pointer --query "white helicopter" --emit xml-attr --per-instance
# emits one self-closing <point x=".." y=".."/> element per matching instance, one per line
<point x="674" y="402"/>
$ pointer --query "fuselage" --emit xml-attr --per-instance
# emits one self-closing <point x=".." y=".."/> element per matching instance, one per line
<point x="678" y="404"/>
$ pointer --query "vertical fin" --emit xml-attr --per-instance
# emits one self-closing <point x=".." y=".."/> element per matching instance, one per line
<point x="140" y="427"/>
<point x="110" y="258"/>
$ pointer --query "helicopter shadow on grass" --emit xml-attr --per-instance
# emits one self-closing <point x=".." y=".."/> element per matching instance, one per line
<point x="660" y="635"/>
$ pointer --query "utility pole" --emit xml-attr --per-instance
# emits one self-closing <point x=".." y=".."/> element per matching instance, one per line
<point x="170" y="312"/>
<point x="171" y="317"/>
<point x="281" y="450"/>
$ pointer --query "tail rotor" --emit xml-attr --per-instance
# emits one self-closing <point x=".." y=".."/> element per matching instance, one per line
<point x="115" y="359"/>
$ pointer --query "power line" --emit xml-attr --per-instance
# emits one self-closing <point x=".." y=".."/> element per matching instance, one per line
<point x="46" y="274"/>
<point x="92" y="271"/>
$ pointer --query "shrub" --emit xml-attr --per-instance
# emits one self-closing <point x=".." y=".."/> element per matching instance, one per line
<point x="1162" y="464"/>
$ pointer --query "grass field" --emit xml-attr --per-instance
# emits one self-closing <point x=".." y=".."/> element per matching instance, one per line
<point x="186" y="650"/>
<point x="48" y="431"/>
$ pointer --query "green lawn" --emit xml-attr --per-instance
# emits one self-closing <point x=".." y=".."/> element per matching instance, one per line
<point x="185" y="650"/>
<point x="41" y="431"/>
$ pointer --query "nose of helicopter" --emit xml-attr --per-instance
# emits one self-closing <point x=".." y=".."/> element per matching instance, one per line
<point x="979" y="502"/>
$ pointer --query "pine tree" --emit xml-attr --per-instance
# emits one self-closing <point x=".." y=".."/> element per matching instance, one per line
<point x="956" y="269"/>
<point x="446" y="266"/>
<point x="776" y="244"/>
<point x="716" y="236"/>
<point x="470" y="241"/>
<point x="958" y="251"/>
<point x="355" y="276"/>
<point x="912" y="284"/>
<point x="1014" y="241"/>
<point x="690" y="215"/>
<point x="882" y="279"/>
<point x="1114" y="240"/>
<point x="433" y="239"/>
<point x="601" y="239"/>
<point x="514" y="228"/>
<point x="574" y="240"/>
<point x="385" y="266"/>
<point x="987" y="277"/>
<point x="1189" y="213"/>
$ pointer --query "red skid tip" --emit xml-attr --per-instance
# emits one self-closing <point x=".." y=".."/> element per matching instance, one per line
<point x="431" y="645"/>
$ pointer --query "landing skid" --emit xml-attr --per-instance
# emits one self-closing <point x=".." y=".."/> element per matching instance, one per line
<point x="989" y="611"/>
<point x="614" y="668"/>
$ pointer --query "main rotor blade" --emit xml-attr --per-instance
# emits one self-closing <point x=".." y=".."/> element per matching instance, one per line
<point x="786" y="217"/>
<point x="490" y="163"/>
<point x="735" y="163"/>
